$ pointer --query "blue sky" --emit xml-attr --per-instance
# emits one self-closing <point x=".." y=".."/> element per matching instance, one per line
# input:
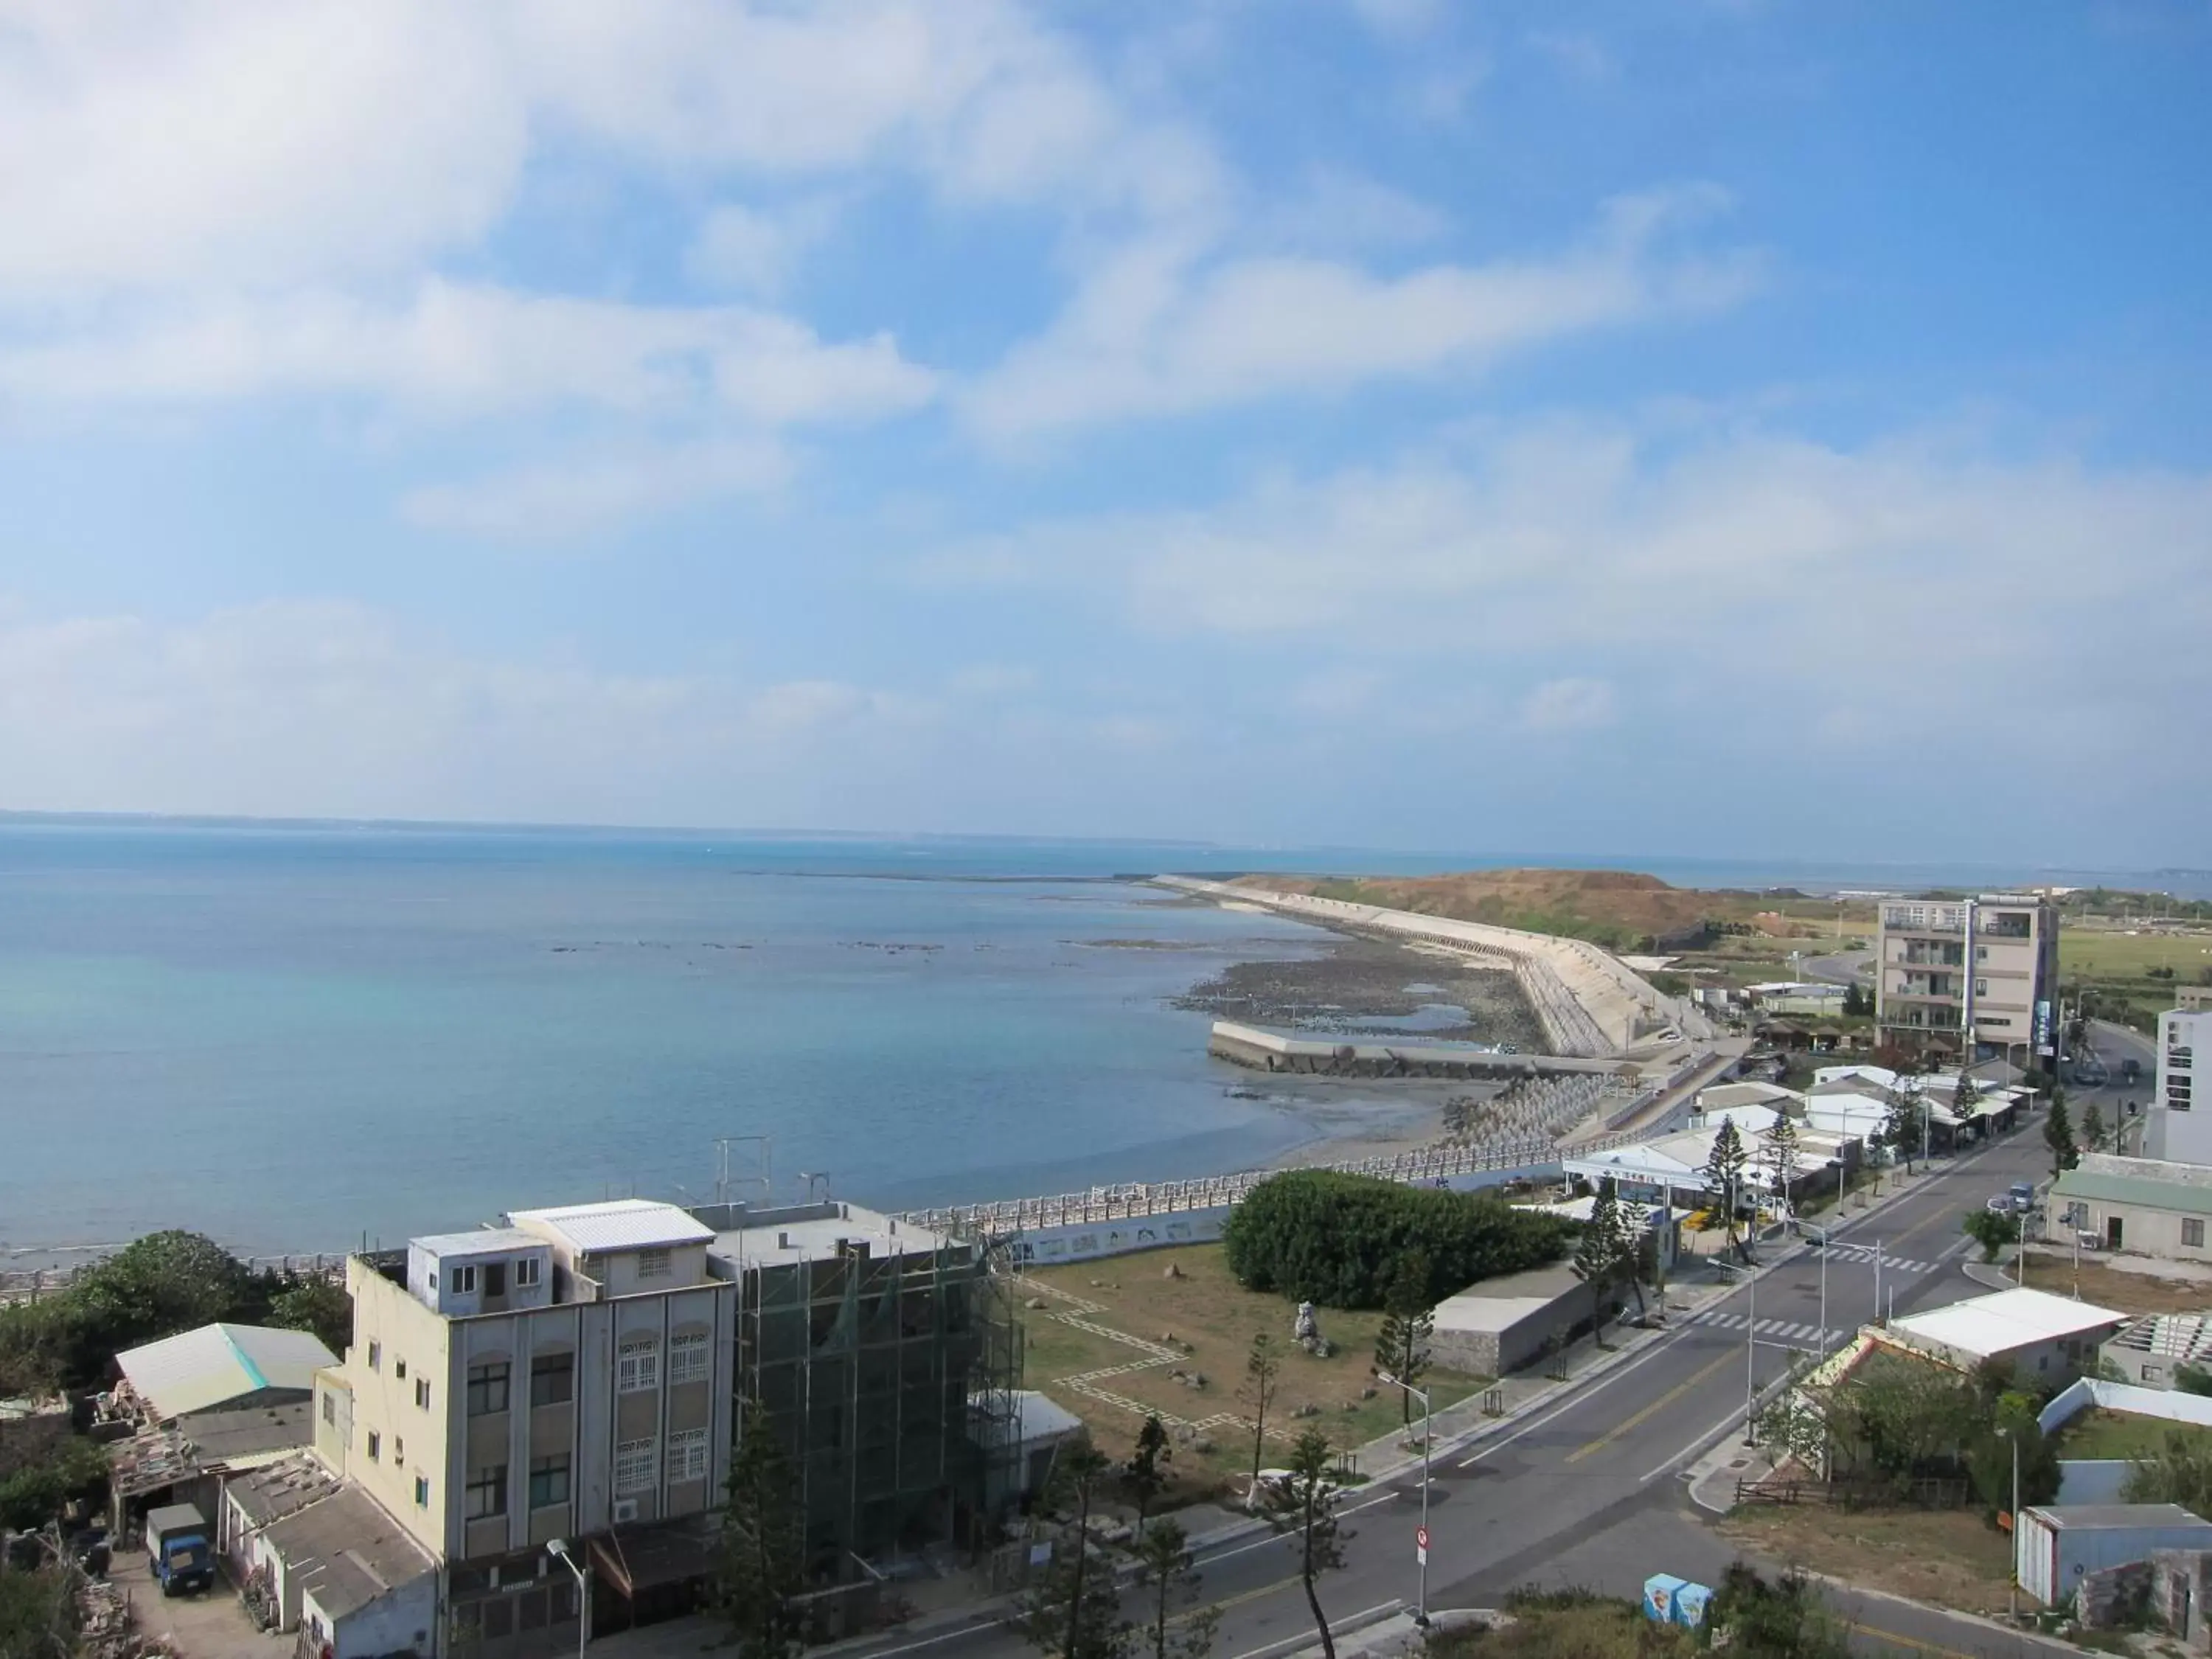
<point x="1736" y="426"/>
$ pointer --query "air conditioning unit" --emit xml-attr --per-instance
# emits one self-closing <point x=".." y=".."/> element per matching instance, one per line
<point x="625" y="1509"/>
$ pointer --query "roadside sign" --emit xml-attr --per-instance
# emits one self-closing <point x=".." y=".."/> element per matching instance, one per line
<point x="1421" y="1545"/>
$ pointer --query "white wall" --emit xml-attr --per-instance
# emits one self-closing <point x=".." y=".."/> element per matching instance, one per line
<point x="404" y="1616"/>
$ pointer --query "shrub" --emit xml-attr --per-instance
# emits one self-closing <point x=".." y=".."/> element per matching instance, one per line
<point x="1339" y="1240"/>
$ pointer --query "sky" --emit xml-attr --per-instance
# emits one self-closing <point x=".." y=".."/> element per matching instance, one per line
<point x="1728" y="427"/>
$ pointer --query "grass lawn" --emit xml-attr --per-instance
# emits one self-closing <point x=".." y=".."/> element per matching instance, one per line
<point x="1209" y="1320"/>
<point x="1953" y="1558"/>
<point x="2100" y="1433"/>
<point x="2112" y="1287"/>
<point x="2095" y="953"/>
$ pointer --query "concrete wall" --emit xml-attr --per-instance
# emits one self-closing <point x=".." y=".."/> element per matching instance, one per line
<point x="404" y="1618"/>
<point x="411" y="1441"/>
<point x="2092" y="1480"/>
<point x="2124" y="1397"/>
<point x="1520" y="1339"/>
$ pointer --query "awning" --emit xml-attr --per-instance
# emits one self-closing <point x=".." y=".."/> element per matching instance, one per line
<point x="642" y="1557"/>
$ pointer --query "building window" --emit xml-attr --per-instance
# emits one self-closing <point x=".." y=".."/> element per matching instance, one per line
<point x="399" y="1369"/>
<point x="495" y="1279"/>
<point x="375" y="1355"/>
<point x="488" y="1388"/>
<point x="398" y="1450"/>
<point x="421" y="1492"/>
<point x="2192" y="1233"/>
<point x="464" y="1281"/>
<point x="1981" y="988"/>
<point x="423" y="1392"/>
<point x="526" y="1273"/>
<point x="486" y="1493"/>
<point x="653" y="1264"/>
<point x="689" y="1359"/>
<point x="637" y="1467"/>
<point x="549" y="1481"/>
<point x="637" y="1366"/>
<point x="375" y="1447"/>
<point x="687" y="1454"/>
<point x="330" y="1408"/>
<point x="552" y="1379"/>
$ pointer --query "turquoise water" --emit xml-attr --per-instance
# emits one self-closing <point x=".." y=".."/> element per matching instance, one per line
<point x="293" y="1038"/>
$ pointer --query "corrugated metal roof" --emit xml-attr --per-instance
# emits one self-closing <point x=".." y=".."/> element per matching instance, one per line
<point x="622" y="1223"/>
<point x="2002" y="1321"/>
<point x="199" y="1370"/>
<point x="2062" y="1516"/>
<point x="2142" y="1190"/>
<point x="346" y="1551"/>
<point x="484" y="1240"/>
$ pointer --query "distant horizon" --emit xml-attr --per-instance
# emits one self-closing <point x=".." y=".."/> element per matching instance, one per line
<point x="1474" y="859"/>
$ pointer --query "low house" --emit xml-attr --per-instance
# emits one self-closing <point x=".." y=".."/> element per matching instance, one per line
<point x="318" y="1555"/>
<point x="193" y="1459"/>
<point x="1021" y="1434"/>
<point x="2047" y="1337"/>
<point x="1503" y="1323"/>
<point x="2144" y="1205"/>
<point x="2149" y="1350"/>
<point x="222" y="1367"/>
<point x="2056" y="1547"/>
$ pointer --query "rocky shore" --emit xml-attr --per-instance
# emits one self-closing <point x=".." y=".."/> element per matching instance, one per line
<point x="1362" y="986"/>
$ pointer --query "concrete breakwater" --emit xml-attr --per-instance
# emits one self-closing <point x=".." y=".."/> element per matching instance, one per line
<point x="1270" y="1051"/>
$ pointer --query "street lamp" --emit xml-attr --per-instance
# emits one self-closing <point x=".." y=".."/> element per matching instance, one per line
<point x="559" y="1547"/>
<point x="2012" y="1589"/>
<point x="1421" y="1610"/>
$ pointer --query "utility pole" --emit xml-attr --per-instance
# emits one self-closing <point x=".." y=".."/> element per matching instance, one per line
<point x="1421" y="1606"/>
<point x="1877" y="1280"/>
<point x="1751" y="1365"/>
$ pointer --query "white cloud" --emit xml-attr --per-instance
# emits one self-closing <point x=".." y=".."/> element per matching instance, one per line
<point x="584" y="495"/>
<point x="753" y="250"/>
<point x="1159" y="329"/>
<point x="330" y="708"/>
<point x="1581" y="56"/>
<point x="1574" y="704"/>
<point x="1904" y="586"/>
<point x="1340" y="209"/>
<point x="452" y="350"/>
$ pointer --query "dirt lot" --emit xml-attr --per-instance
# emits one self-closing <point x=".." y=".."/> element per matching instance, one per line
<point x="1201" y="1322"/>
<point x="1950" y="1557"/>
<point x="210" y="1626"/>
<point x="2110" y="1287"/>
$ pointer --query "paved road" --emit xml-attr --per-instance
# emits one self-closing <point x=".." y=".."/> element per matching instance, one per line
<point x="1850" y="968"/>
<point x="1586" y="1491"/>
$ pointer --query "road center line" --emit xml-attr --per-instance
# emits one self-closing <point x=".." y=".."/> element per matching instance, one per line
<point x="1656" y="1406"/>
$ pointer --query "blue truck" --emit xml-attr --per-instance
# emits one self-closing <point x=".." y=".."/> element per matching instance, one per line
<point x="179" y="1550"/>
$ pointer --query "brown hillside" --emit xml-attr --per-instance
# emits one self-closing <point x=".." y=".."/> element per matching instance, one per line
<point x="1618" y="908"/>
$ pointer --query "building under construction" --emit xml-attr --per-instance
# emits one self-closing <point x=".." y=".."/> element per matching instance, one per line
<point x="888" y="1360"/>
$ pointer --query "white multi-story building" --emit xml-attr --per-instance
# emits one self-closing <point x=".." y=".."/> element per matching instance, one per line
<point x="2178" y="1127"/>
<point x="563" y="1376"/>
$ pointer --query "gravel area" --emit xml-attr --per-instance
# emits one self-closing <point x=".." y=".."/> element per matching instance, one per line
<point x="1360" y="986"/>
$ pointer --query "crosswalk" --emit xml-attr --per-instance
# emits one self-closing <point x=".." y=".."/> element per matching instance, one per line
<point x="1864" y="1253"/>
<point x="1780" y="1330"/>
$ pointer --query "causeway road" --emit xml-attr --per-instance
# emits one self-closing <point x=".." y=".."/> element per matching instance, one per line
<point x="1587" y="1489"/>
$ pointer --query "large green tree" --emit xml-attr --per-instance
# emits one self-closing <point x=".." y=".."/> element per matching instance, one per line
<point x="1341" y="1240"/>
<point x="763" y="1557"/>
<point x="1142" y="1475"/>
<point x="2058" y="1135"/>
<point x="311" y="1303"/>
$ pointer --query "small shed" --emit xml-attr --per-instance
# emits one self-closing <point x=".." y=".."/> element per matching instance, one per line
<point x="2057" y="1545"/>
<point x="1502" y="1324"/>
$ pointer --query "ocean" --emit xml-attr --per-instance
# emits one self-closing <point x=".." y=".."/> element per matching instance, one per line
<point x="297" y="1037"/>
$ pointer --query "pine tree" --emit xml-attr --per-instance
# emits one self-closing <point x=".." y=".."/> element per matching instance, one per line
<point x="2058" y="1135"/>
<point x="1263" y="1367"/>
<point x="1723" y="1172"/>
<point x="1401" y="1344"/>
<point x="2093" y="1128"/>
<point x="764" y="1558"/>
<point x="1303" y="1507"/>
<point x="1777" y="1157"/>
<point x="1142" y="1475"/>
<point x="1072" y="1609"/>
<point x="1603" y="1253"/>
<point x="1164" y="1570"/>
